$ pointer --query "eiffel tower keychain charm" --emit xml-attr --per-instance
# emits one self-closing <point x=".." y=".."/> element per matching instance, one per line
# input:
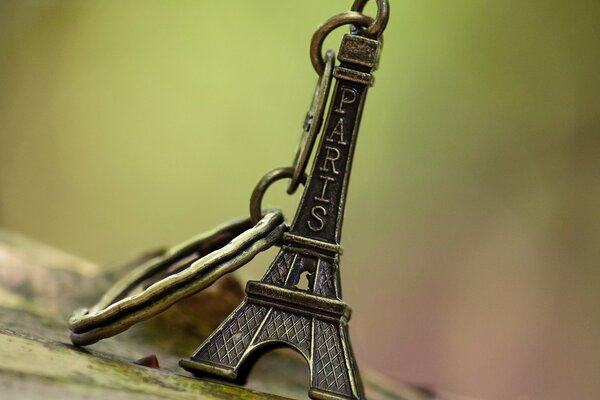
<point x="274" y="311"/>
<point x="314" y="322"/>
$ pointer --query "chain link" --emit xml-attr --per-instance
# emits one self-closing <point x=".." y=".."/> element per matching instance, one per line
<point x="375" y="30"/>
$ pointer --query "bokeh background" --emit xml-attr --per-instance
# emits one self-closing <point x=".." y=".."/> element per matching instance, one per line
<point x="472" y="232"/>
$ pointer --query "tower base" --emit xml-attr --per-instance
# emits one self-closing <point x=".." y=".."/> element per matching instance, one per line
<point x="315" y="326"/>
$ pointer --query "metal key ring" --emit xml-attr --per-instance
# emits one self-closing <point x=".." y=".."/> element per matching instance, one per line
<point x="383" y="15"/>
<point x="345" y="18"/>
<point x="190" y="268"/>
<point x="261" y="187"/>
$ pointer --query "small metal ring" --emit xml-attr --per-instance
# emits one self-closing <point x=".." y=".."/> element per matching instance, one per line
<point x="261" y="187"/>
<point x="345" y="18"/>
<point x="383" y="15"/>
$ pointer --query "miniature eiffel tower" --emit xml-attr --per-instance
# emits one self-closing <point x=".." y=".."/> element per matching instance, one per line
<point x="275" y="311"/>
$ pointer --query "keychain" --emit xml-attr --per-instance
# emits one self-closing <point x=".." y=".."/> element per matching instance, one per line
<point x="274" y="311"/>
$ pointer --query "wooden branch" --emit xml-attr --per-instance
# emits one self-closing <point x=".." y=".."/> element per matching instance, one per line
<point x="39" y="288"/>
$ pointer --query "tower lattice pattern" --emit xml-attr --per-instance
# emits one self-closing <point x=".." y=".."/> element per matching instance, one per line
<point x="289" y="328"/>
<point x="228" y="344"/>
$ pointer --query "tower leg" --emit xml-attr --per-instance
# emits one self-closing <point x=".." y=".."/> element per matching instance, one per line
<point x="224" y="351"/>
<point x="334" y="373"/>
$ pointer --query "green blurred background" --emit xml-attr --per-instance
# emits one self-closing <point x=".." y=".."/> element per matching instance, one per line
<point x="472" y="232"/>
